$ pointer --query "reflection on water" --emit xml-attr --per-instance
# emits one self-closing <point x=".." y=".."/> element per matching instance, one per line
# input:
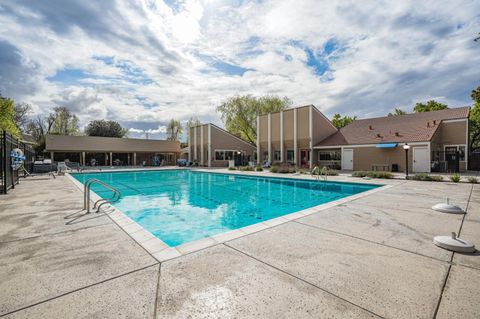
<point x="179" y="206"/>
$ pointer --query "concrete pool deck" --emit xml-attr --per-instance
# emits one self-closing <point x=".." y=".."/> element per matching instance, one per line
<point x="371" y="257"/>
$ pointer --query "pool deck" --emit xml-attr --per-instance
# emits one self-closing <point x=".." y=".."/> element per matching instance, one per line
<point x="369" y="257"/>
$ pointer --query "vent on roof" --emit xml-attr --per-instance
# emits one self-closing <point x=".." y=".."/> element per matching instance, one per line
<point x="428" y="124"/>
<point x="379" y="135"/>
<point x="370" y="128"/>
<point x="434" y="122"/>
<point x="397" y="134"/>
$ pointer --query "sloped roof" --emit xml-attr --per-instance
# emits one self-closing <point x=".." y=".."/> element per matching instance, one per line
<point x="414" y="127"/>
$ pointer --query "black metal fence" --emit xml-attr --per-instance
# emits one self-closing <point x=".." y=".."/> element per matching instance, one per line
<point x="447" y="161"/>
<point x="9" y="177"/>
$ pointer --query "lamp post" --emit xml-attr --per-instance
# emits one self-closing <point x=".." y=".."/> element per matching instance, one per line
<point x="406" y="147"/>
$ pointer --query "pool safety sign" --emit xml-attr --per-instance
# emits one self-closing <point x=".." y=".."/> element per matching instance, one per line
<point x="17" y="158"/>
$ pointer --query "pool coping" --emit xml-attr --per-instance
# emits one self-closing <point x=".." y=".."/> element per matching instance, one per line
<point x="163" y="252"/>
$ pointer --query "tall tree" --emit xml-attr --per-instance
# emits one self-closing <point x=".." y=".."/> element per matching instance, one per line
<point x="192" y="122"/>
<point x="39" y="127"/>
<point x="475" y="120"/>
<point x="341" y="121"/>
<point x="429" y="106"/>
<point x="239" y="113"/>
<point x="64" y="122"/>
<point x="174" y="130"/>
<point x="105" y="129"/>
<point x="21" y="115"/>
<point x="7" y="116"/>
<point x="397" y="111"/>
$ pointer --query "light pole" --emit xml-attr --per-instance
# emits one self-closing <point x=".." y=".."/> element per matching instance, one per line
<point x="406" y="147"/>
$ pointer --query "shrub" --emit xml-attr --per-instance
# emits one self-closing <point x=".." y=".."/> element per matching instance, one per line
<point x="274" y="169"/>
<point x="328" y="172"/>
<point x="259" y="169"/>
<point x="373" y="174"/>
<point x="426" y="177"/>
<point x="472" y="180"/>
<point x="455" y="178"/>
<point x="283" y="169"/>
<point x="231" y="168"/>
<point x="246" y="168"/>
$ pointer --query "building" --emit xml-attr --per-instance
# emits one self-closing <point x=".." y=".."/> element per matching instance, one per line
<point x="212" y="146"/>
<point x="305" y="137"/>
<point x="111" y="150"/>
<point x="289" y="136"/>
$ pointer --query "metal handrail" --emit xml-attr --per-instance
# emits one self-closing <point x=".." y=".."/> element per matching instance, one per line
<point x="86" y="194"/>
<point x="321" y="172"/>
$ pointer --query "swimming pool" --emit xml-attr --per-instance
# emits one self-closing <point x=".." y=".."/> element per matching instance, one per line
<point x="179" y="206"/>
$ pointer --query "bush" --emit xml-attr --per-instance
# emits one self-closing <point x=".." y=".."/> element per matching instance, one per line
<point x="455" y="178"/>
<point x="259" y="169"/>
<point x="246" y="168"/>
<point x="426" y="177"/>
<point x="231" y="168"/>
<point x="472" y="180"/>
<point x="283" y="169"/>
<point x="328" y="172"/>
<point x="373" y="174"/>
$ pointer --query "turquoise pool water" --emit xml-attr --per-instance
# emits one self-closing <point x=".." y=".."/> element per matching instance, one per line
<point x="179" y="206"/>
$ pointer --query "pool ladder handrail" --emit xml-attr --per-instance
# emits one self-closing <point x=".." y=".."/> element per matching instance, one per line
<point x="321" y="172"/>
<point x="86" y="195"/>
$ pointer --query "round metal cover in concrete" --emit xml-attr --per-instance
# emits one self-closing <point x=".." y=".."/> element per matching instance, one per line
<point x="448" y="208"/>
<point x="454" y="244"/>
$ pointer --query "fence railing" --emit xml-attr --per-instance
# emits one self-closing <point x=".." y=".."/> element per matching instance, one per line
<point x="9" y="177"/>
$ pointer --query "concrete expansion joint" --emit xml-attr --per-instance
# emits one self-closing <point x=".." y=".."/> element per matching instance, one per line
<point x="302" y="280"/>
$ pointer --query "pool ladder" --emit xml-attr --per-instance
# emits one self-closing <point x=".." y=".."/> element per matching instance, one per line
<point x="317" y="173"/>
<point x="86" y="195"/>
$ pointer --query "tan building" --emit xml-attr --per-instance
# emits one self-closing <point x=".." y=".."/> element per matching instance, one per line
<point x="112" y="151"/>
<point x="303" y="136"/>
<point x="438" y="142"/>
<point x="212" y="146"/>
<point x="289" y="135"/>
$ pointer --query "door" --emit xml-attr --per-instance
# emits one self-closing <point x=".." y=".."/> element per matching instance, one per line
<point x="421" y="160"/>
<point x="347" y="159"/>
<point x="305" y="158"/>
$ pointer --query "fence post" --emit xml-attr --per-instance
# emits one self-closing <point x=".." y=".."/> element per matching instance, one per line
<point x="4" y="161"/>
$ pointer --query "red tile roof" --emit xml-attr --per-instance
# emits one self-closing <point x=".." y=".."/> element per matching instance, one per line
<point x="414" y="127"/>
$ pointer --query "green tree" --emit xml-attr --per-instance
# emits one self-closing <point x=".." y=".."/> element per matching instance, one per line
<point x="239" y="113"/>
<point x="397" y="111"/>
<point x="7" y="117"/>
<point x="174" y="130"/>
<point x="105" y="129"/>
<point x="340" y="121"/>
<point x="64" y="122"/>
<point x="475" y="120"/>
<point x="429" y="106"/>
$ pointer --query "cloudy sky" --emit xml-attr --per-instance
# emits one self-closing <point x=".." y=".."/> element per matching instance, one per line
<point x="142" y="62"/>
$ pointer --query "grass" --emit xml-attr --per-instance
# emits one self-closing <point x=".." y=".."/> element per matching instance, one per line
<point x="472" y="180"/>
<point x="372" y="174"/>
<point x="455" y="178"/>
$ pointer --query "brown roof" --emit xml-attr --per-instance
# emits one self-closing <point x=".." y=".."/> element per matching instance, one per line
<point x="414" y="127"/>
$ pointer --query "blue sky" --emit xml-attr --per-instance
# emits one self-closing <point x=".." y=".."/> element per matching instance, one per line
<point x="142" y="62"/>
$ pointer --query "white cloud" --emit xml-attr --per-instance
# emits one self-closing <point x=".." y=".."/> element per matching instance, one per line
<point x="144" y="62"/>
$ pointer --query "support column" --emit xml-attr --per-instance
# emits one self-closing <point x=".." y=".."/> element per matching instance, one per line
<point x="310" y="124"/>
<point x="201" y="146"/>
<point x="195" y="144"/>
<point x="134" y="159"/>
<point x="111" y="159"/>
<point x="106" y="159"/>
<point x="51" y="155"/>
<point x="259" y="157"/>
<point x="282" y="147"/>
<point x="295" y="133"/>
<point x="83" y="159"/>
<point x="209" y="152"/>
<point x="270" y="137"/>
<point x="189" y="136"/>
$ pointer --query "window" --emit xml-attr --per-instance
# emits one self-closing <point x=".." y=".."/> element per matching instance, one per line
<point x="265" y="156"/>
<point x="228" y="155"/>
<point x="290" y="156"/>
<point x="276" y="156"/>
<point x="329" y="155"/>
<point x="455" y="148"/>
<point x="219" y="155"/>
<point x="255" y="155"/>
